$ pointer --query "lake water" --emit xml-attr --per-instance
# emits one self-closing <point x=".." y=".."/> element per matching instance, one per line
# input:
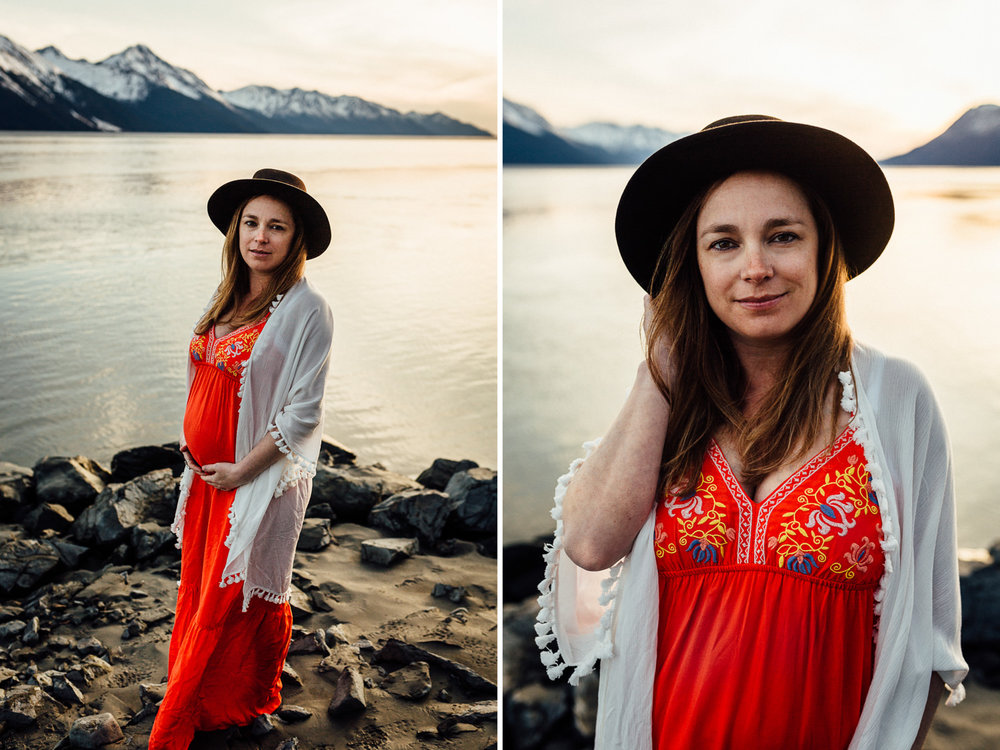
<point x="107" y="258"/>
<point x="571" y="317"/>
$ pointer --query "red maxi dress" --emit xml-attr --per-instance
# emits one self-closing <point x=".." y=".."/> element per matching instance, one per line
<point x="224" y="664"/>
<point x="767" y="611"/>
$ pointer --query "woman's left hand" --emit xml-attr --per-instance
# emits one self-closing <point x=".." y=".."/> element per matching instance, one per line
<point x="223" y="476"/>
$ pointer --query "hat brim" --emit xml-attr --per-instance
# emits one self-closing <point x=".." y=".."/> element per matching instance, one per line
<point x="848" y="180"/>
<point x="227" y="199"/>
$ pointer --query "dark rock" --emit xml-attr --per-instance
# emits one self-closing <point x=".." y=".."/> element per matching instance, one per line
<point x="301" y="605"/>
<point x="150" y="539"/>
<point x="88" y="670"/>
<point x="9" y="613"/>
<point x="981" y="622"/>
<point x="120" y="507"/>
<point x="155" y="615"/>
<point x="63" y="690"/>
<point x="444" y="591"/>
<point x="21" y="705"/>
<point x="292" y="743"/>
<point x="474" y="504"/>
<point x="385" y="552"/>
<point x="290" y="677"/>
<point x="521" y="664"/>
<point x="95" y="731"/>
<point x="133" y="629"/>
<point x="310" y="643"/>
<point x="70" y="482"/>
<point x="332" y="453"/>
<point x="523" y="568"/>
<point x="411" y="682"/>
<point x="535" y="709"/>
<point x="134" y="462"/>
<point x="7" y="676"/>
<point x="148" y="711"/>
<point x="399" y="652"/>
<point x="453" y="728"/>
<point x="348" y="695"/>
<point x="352" y="491"/>
<point x="90" y="646"/>
<point x="48" y="516"/>
<point x="261" y="726"/>
<point x="24" y="562"/>
<point x="293" y="714"/>
<point x="455" y="548"/>
<point x="315" y="535"/>
<point x="336" y="634"/>
<point x="321" y="510"/>
<point x="12" y="630"/>
<point x="32" y="634"/>
<point x="152" y="692"/>
<point x="320" y="602"/>
<point x="479" y="712"/>
<point x="585" y="705"/>
<point x="16" y="493"/>
<point x="69" y="554"/>
<point x="420" y="513"/>
<point x="441" y="471"/>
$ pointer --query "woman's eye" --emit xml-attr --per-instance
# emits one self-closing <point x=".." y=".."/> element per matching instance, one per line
<point x="784" y="237"/>
<point x="249" y="223"/>
<point x="722" y="245"/>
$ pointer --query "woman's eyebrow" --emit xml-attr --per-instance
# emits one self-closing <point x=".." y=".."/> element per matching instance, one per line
<point x="778" y="221"/>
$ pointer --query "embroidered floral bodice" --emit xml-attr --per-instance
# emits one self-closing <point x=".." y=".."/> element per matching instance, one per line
<point x="228" y="353"/>
<point x="823" y="521"/>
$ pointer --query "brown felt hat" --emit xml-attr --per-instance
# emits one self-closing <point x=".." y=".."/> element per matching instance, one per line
<point x="282" y="185"/>
<point x="842" y="173"/>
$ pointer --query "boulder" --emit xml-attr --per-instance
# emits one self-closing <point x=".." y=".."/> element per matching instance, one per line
<point x="315" y="535"/>
<point x="348" y="695"/>
<point x="291" y="714"/>
<point x="310" y="643"/>
<point x="120" y="507"/>
<point x="48" y="516"/>
<point x="16" y="491"/>
<point x="534" y="710"/>
<point x="70" y="482"/>
<point x="333" y="453"/>
<point x="321" y="510"/>
<point x="290" y="677"/>
<point x="474" y="504"/>
<point x="352" y="491"/>
<point x="21" y="706"/>
<point x="437" y="476"/>
<point x="63" y="690"/>
<point x="24" y="562"/>
<point x="411" y="682"/>
<point x="981" y="622"/>
<point x="95" y="731"/>
<point x="135" y="462"/>
<point x="385" y="552"/>
<point x="420" y="513"/>
<point x="150" y="539"/>
<point x="12" y="630"/>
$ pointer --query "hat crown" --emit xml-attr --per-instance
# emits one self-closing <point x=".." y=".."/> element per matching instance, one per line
<point x="278" y="175"/>
<point x="738" y="119"/>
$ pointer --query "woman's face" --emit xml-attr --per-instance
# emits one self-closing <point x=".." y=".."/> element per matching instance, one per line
<point x="266" y="232"/>
<point x="758" y="249"/>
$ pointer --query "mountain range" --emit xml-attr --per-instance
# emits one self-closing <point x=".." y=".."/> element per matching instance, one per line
<point x="528" y="138"/>
<point x="135" y="90"/>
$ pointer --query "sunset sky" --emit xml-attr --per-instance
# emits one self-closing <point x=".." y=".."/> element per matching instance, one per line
<point x="890" y="74"/>
<point x="424" y="55"/>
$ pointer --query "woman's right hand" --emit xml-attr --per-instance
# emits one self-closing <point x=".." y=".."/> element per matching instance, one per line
<point x="190" y="462"/>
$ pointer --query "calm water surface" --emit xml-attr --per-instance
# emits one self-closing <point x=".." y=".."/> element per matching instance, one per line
<point x="571" y="317"/>
<point x="107" y="258"/>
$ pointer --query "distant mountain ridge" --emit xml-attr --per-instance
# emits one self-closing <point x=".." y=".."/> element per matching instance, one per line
<point x="135" y="90"/>
<point x="528" y="138"/>
<point x="973" y="140"/>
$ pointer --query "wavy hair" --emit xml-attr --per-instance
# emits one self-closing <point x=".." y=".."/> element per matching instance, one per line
<point x="709" y="385"/>
<point x="235" y="285"/>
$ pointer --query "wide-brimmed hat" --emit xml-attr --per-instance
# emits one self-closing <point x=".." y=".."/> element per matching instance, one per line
<point x="848" y="180"/>
<point x="282" y="185"/>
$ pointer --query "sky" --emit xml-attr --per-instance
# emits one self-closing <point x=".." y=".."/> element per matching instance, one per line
<point x="423" y="55"/>
<point x="889" y="74"/>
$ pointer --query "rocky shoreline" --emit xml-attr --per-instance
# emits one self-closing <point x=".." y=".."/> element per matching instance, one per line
<point x="394" y="604"/>
<point x="556" y="716"/>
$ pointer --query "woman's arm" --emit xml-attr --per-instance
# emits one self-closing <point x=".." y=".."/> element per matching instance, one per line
<point x="930" y="708"/>
<point x="612" y="493"/>
<point x="228" y="476"/>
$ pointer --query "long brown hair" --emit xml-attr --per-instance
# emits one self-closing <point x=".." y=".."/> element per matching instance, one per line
<point x="709" y="384"/>
<point x="235" y="286"/>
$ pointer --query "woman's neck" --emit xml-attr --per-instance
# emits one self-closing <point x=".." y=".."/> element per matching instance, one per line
<point x="764" y="364"/>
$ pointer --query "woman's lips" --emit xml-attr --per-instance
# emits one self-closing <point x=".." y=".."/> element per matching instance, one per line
<point x="761" y="302"/>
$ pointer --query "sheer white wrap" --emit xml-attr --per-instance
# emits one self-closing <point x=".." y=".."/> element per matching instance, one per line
<point x="906" y="449"/>
<point x="281" y="392"/>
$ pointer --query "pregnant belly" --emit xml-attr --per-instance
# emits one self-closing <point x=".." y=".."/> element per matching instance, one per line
<point x="211" y="415"/>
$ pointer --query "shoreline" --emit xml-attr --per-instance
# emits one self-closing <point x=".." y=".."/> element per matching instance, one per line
<point x="389" y="647"/>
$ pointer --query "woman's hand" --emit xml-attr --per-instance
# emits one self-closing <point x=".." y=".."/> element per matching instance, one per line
<point x="223" y="476"/>
<point x="190" y="462"/>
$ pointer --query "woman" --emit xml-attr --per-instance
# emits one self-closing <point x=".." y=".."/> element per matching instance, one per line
<point x="774" y="502"/>
<point x="257" y="370"/>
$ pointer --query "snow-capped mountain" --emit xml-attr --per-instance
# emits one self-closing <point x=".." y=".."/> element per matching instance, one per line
<point x="530" y="139"/>
<point x="633" y="142"/>
<point x="136" y="90"/>
<point x="130" y="75"/>
<point x="972" y="140"/>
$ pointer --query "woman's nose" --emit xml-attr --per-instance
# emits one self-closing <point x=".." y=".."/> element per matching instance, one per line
<point x="260" y="235"/>
<point x="756" y="264"/>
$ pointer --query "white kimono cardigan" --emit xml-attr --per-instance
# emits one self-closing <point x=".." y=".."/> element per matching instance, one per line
<point x="906" y="448"/>
<point x="281" y="391"/>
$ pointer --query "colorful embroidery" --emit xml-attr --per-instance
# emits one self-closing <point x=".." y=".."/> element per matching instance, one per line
<point x="701" y="524"/>
<point x="822" y="521"/>
<point x="228" y="353"/>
